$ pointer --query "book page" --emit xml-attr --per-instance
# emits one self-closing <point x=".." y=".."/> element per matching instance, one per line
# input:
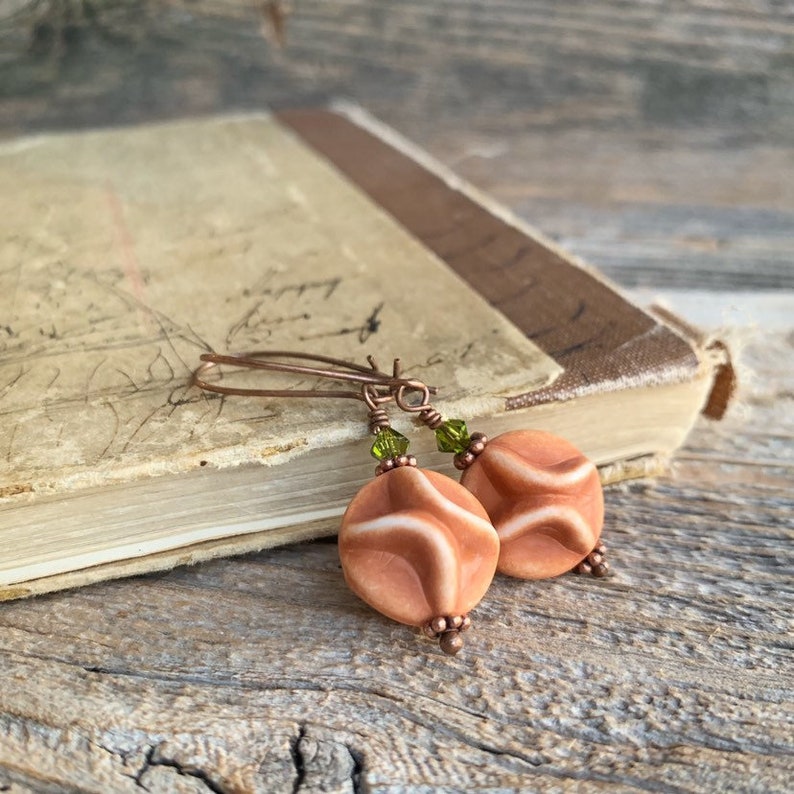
<point x="125" y="254"/>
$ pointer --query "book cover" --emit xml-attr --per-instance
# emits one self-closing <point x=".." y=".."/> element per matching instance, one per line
<point x="130" y="252"/>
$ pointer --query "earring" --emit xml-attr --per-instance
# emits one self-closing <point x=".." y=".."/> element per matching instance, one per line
<point x="543" y="496"/>
<point x="545" y="499"/>
<point x="414" y="544"/>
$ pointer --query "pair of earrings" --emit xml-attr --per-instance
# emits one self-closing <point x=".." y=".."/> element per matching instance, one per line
<point x="420" y="547"/>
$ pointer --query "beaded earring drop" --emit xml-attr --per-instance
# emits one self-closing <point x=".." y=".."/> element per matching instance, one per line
<point x="414" y="544"/>
<point x="542" y="494"/>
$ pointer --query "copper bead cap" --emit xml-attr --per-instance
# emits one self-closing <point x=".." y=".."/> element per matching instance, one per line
<point x="544" y="498"/>
<point x="416" y="545"/>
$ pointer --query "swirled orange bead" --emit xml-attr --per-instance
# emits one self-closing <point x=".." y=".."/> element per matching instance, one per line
<point x="544" y="498"/>
<point x="416" y="545"/>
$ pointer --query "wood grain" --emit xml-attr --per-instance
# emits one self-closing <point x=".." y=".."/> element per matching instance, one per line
<point x="652" y="137"/>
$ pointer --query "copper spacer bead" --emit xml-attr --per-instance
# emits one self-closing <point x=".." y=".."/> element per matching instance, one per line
<point x="439" y="625"/>
<point x="402" y="460"/>
<point x="451" y="643"/>
<point x="384" y="466"/>
<point x="476" y="447"/>
<point x="454" y="622"/>
<point x="594" y="558"/>
<point x="464" y="460"/>
<point x="602" y="569"/>
<point x="478" y="436"/>
<point x="411" y="461"/>
<point x="466" y="624"/>
<point x="427" y="630"/>
<point x="583" y="567"/>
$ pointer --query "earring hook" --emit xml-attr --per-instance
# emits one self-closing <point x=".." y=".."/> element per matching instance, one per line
<point x="377" y="387"/>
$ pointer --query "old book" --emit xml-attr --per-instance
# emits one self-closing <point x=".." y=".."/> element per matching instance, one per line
<point x="127" y="253"/>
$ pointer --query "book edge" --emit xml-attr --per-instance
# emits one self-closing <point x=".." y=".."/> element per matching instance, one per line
<point x="205" y="551"/>
<point x="634" y="466"/>
<point x="239" y="545"/>
<point x="714" y="353"/>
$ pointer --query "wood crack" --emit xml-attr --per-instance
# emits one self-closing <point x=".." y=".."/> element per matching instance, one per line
<point x="154" y="758"/>
<point x="322" y="762"/>
<point x="357" y="775"/>
<point x="298" y="759"/>
<point x="538" y="760"/>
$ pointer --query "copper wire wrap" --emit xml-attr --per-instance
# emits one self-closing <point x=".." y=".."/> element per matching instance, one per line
<point x="424" y="410"/>
<point x="431" y="417"/>
<point x="378" y="419"/>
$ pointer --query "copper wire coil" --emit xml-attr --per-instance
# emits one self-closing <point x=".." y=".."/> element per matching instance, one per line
<point x="378" y="420"/>
<point x="431" y="417"/>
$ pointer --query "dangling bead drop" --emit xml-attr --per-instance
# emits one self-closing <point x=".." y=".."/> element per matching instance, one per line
<point x="544" y="498"/>
<point x="417" y="546"/>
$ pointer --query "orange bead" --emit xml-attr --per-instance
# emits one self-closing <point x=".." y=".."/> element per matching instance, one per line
<point x="544" y="498"/>
<point x="416" y="545"/>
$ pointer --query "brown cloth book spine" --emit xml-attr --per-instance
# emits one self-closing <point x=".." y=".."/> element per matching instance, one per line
<point x="602" y="341"/>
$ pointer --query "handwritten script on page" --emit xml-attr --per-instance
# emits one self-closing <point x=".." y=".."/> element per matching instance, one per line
<point x="125" y="254"/>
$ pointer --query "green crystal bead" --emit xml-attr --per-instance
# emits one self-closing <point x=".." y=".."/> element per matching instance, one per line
<point x="389" y="444"/>
<point x="452" y="436"/>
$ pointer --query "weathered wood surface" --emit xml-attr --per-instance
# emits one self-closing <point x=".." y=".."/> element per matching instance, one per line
<point x="652" y="137"/>
<point x="665" y="125"/>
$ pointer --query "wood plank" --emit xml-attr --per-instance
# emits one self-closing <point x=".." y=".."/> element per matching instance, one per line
<point x="655" y="138"/>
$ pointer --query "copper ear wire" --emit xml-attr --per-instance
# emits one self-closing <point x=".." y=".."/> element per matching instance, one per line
<point x="377" y="387"/>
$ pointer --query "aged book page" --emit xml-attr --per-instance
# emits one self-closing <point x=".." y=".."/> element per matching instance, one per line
<point x="127" y="253"/>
